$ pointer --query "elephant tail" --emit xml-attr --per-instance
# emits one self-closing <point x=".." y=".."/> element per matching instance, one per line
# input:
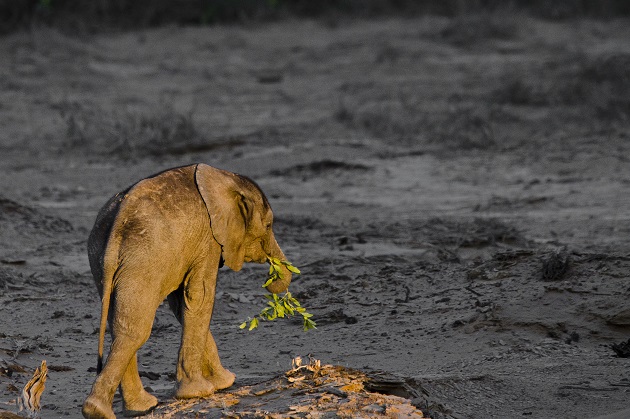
<point x="109" y="269"/>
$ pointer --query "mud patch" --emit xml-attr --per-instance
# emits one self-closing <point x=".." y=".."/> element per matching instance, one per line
<point x="21" y="217"/>
<point x="320" y="168"/>
<point x="159" y="132"/>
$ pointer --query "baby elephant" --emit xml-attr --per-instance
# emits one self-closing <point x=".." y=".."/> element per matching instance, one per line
<point x="166" y="237"/>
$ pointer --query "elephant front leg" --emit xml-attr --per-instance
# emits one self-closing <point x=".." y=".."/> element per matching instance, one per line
<point x="194" y="310"/>
<point x="191" y="381"/>
<point x="212" y="369"/>
<point x="199" y="370"/>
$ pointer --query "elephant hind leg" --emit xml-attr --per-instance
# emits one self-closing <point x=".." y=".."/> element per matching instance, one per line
<point x="137" y="401"/>
<point x="99" y="403"/>
<point x="131" y="326"/>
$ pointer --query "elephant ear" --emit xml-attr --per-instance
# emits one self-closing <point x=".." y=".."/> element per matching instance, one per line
<point x="228" y="212"/>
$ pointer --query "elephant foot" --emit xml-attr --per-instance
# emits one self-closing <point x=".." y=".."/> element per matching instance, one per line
<point x="140" y="405"/>
<point x="190" y="389"/>
<point x="95" y="408"/>
<point x="222" y="378"/>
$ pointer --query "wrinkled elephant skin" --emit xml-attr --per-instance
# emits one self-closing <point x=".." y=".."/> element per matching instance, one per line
<point x="166" y="237"/>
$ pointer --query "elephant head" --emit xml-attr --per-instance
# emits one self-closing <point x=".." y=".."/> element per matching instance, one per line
<point x="241" y="220"/>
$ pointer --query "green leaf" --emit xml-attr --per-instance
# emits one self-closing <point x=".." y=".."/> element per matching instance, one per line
<point x="253" y="324"/>
<point x="292" y="268"/>
<point x="288" y="307"/>
<point x="309" y="324"/>
<point x="279" y="306"/>
<point x="266" y="284"/>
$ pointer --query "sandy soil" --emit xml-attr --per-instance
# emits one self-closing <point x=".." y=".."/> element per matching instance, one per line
<point x="454" y="192"/>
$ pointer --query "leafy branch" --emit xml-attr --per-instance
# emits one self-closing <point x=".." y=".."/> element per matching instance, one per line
<point x="280" y="306"/>
<point x="275" y="269"/>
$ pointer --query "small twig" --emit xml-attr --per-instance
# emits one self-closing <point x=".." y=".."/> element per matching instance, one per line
<point x="407" y="293"/>
<point x="435" y="294"/>
<point x="571" y="290"/>
<point x="478" y="294"/>
<point x="586" y="388"/>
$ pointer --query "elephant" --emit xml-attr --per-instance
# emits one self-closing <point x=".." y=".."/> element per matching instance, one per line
<point x="166" y="237"/>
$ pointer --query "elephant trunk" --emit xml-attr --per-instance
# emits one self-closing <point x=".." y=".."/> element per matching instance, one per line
<point x="281" y="284"/>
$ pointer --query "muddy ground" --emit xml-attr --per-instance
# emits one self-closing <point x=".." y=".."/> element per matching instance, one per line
<point x="455" y="193"/>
